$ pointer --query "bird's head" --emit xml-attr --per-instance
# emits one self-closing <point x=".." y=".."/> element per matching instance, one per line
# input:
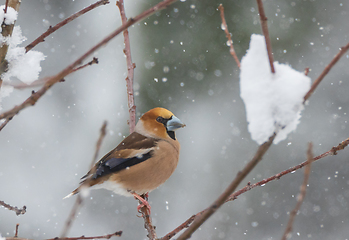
<point x="158" y="123"/>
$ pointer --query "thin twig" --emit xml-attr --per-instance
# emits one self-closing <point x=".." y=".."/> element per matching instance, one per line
<point x="17" y="210"/>
<point x="130" y="69"/>
<point x="4" y="123"/>
<point x="103" y="132"/>
<point x="248" y="187"/>
<point x="64" y="22"/>
<point x="54" y="79"/>
<point x="265" y="30"/>
<point x="325" y="71"/>
<point x="227" y="34"/>
<point x="48" y="83"/>
<point x="42" y="81"/>
<point x="16" y="233"/>
<point x="179" y="228"/>
<point x="79" y="199"/>
<point x="301" y="195"/>
<point x="107" y="236"/>
<point x="71" y="217"/>
<point x="233" y="185"/>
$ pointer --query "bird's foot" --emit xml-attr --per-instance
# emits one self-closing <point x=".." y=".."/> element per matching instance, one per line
<point x="144" y="202"/>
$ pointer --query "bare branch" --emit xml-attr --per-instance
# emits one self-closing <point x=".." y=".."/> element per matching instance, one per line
<point x="326" y="70"/>
<point x="248" y="187"/>
<point x="64" y="22"/>
<point x="301" y="195"/>
<point x="265" y="30"/>
<point x="130" y="70"/>
<point x="48" y="83"/>
<point x="107" y="236"/>
<point x="79" y="200"/>
<point x="54" y="79"/>
<point x="42" y="81"/>
<point x="227" y="34"/>
<point x="233" y="185"/>
<point x="17" y="210"/>
<point x="103" y="132"/>
<point x="180" y="228"/>
<point x="16" y="234"/>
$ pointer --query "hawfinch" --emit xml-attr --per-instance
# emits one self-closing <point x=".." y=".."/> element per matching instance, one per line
<point x="142" y="161"/>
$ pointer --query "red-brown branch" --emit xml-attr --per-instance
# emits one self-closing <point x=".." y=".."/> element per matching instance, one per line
<point x="130" y="70"/>
<point x="42" y="81"/>
<point x="326" y="70"/>
<point x="265" y="30"/>
<point x="107" y="236"/>
<point x="227" y="34"/>
<point x="64" y="22"/>
<point x="233" y="185"/>
<point x="248" y="187"/>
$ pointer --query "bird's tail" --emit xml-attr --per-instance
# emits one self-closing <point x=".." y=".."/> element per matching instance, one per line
<point x="72" y="193"/>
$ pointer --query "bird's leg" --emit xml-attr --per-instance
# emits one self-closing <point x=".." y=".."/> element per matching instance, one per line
<point x="143" y="199"/>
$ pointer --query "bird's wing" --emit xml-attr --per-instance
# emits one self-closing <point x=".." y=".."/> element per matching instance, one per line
<point x="134" y="149"/>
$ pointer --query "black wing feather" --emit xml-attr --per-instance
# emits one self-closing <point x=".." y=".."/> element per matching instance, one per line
<point x="117" y="164"/>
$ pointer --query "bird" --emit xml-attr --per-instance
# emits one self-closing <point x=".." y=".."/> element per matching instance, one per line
<point x="141" y="162"/>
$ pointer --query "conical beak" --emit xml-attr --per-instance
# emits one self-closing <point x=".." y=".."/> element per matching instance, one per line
<point x="174" y="124"/>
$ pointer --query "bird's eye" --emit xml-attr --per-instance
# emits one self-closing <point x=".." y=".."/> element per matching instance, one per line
<point x="160" y="119"/>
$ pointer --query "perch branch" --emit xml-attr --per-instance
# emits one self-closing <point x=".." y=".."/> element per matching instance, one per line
<point x="265" y="30"/>
<point x="326" y="70"/>
<point x="51" y="29"/>
<point x="79" y="199"/>
<point x="17" y="210"/>
<point x="302" y="193"/>
<point x="233" y="185"/>
<point x="56" y="78"/>
<point x="248" y="187"/>
<point x="227" y="34"/>
<point x="148" y="224"/>
<point x="130" y="69"/>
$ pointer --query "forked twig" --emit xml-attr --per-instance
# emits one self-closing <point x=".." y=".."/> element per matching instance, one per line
<point x="302" y="193"/>
<point x="227" y="34"/>
<point x="248" y="187"/>
<point x="54" y="79"/>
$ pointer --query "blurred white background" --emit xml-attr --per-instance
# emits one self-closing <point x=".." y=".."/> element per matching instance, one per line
<point x="183" y="64"/>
